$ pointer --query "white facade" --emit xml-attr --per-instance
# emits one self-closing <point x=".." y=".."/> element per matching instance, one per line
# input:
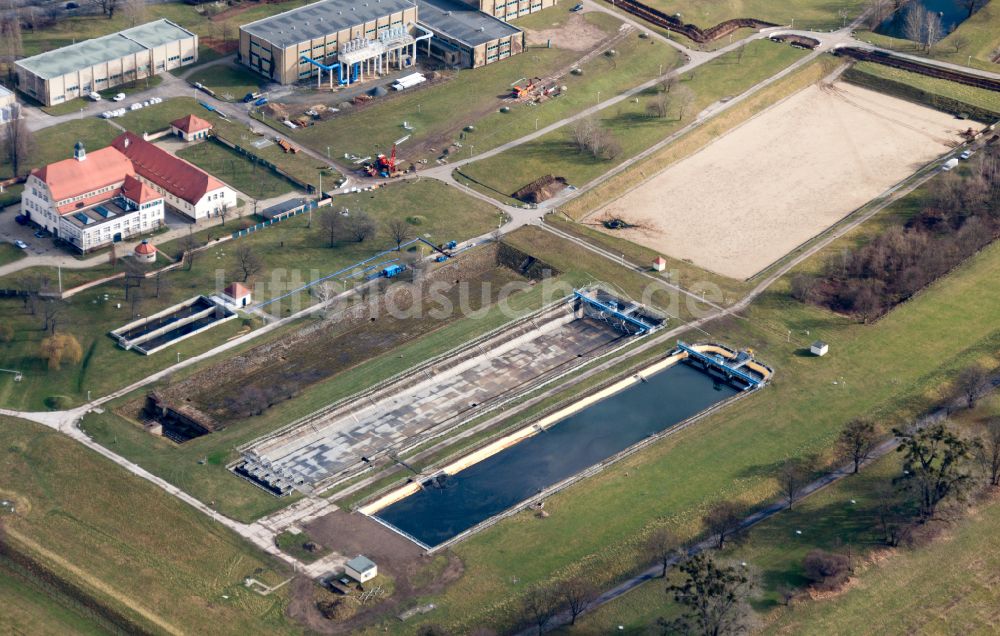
<point x="37" y="203"/>
<point x="211" y="204"/>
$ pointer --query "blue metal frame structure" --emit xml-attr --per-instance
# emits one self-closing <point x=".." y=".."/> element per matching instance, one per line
<point x="643" y="327"/>
<point x="720" y="364"/>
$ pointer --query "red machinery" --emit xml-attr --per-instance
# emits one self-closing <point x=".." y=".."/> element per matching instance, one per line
<point x="383" y="166"/>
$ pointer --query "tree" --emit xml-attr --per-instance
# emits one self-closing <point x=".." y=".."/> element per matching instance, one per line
<point x="107" y="7"/>
<point x="793" y="475"/>
<point x="667" y="84"/>
<point x="972" y="383"/>
<point x="932" y="29"/>
<point x="935" y="462"/>
<point x="163" y="284"/>
<point x="826" y="570"/>
<point x="577" y="594"/>
<point x="970" y="6"/>
<point x="135" y="273"/>
<point x="332" y="223"/>
<point x="400" y="232"/>
<point x="10" y="32"/>
<point x="223" y="213"/>
<point x="51" y="315"/>
<point x="683" y="97"/>
<point x="959" y="41"/>
<point x="913" y="23"/>
<point x="539" y="606"/>
<point x="714" y="598"/>
<point x="361" y="227"/>
<point x="663" y="546"/>
<point x="248" y="262"/>
<point x="659" y="106"/>
<point x="878" y="11"/>
<point x="59" y="348"/>
<point x="189" y="249"/>
<point x="988" y="451"/>
<point x="724" y="520"/>
<point x="856" y="442"/>
<point x="892" y="518"/>
<point x="17" y="140"/>
<point x="135" y="11"/>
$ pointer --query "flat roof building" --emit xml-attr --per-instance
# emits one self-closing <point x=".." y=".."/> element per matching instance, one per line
<point x="467" y="37"/>
<point x="105" y="62"/>
<point x="355" y="40"/>
<point x="275" y="46"/>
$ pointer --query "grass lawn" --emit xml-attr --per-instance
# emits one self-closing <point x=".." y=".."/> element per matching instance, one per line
<point x="32" y="609"/>
<point x="555" y="153"/>
<point x="10" y="253"/>
<point x="89" y="317"/>
<point x="734" y="454"/>
<point x="980" y="97"/>
<point x="246" y="176"/>
<point x="56" y="143"/>
<point x="807" y="14"/>
<point x="127" y="543"/>
<point x="229" y="82"/>
<point x="159" y="116"/>
<point x="438" y="114"/>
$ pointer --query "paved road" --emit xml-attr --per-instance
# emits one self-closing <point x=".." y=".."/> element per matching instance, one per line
<point x="262" y="533"/>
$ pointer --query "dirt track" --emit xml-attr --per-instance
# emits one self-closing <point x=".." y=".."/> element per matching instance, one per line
<point x="753" y="195"/>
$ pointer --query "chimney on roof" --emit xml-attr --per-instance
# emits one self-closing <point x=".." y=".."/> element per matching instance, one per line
<point x="79" y="153"/>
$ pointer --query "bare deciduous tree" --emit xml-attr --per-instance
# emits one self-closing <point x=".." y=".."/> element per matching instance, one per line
<point x="664" y="546"/>
<point x="683" y="98"/>
<point x="935" y="466"/>
<point x="988" y="451"/>
<point x="400" y="231"/>
<point x="857" y="440"/>
<point x="971" y="384"/>
<point x="577" y="594"/>
<point x="332" y="223"/>
<point x="18" y="141"/>
<point x="723" y="520"/>
<point x="539" y="605"/>
<point x="135" y="11"/>
<point x="659" y="105"/>
<point x="361" y="226"/>
<point x="792" y="476"/>
<point x="107" y="7"/>
<point x="248" y="262"/>
<point x="913" y="22"/>
<point x="714" y="598"/>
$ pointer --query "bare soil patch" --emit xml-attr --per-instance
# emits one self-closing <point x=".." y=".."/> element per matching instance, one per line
<point x="753" y="195"/>
<point x="415" y="574"/>
<point x="576" y="35"/>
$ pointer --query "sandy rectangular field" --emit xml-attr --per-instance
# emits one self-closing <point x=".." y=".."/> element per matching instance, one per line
<point x="753" y="195"/>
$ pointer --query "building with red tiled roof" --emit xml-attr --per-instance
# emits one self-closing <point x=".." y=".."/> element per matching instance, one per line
<point x="190" y="128"/>
<point x="91" y="200"/>
<point x="237" y="294"/>
<point x="145" y="251"/>
<point x="186" y="187"/>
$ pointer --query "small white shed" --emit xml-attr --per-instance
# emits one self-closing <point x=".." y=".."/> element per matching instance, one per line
<point x="819" y="348"/>
<point x="659" y="264"/>
<point x="361" y="569"/>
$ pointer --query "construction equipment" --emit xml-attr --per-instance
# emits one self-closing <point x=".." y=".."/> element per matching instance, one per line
<point x="523" y="92"/>
<point x="383" y="166"/>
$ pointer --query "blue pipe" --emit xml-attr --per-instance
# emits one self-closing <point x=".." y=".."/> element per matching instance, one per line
<point x="327" y="67"/>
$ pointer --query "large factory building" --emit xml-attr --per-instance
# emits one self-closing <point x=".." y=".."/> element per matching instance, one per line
<point x="343" y="41"/>
<point x="95" y="65"/>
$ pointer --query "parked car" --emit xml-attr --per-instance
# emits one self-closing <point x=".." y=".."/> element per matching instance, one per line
<point x="94" y="96"/>
<point x="965" y="155"/>
<point x="21" y="244"/>
<point x="21" y="219"/>
<point x="576" y="8"/>
<point x="119" y="97"/>
<point x="41" y="234"/>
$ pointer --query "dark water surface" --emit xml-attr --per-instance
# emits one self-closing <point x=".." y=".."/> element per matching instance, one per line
<point x="952" y="14"/>
<point x="436" y="514"/>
